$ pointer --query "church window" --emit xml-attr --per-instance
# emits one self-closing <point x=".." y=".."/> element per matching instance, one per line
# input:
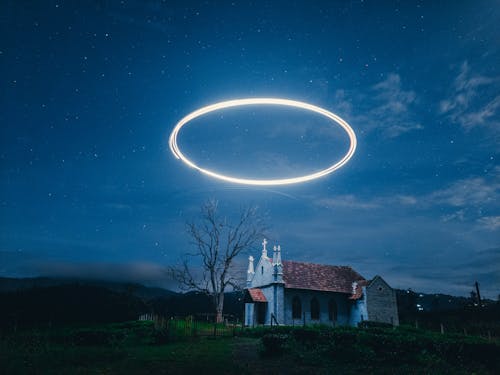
<point x="332" y="310"/>
<point x="296" y="308"/>
<point x="314" y="309"/>
<point x="262" y="270"/>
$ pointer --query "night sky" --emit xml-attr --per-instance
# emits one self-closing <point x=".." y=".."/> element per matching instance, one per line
<point x="90" y="91"/>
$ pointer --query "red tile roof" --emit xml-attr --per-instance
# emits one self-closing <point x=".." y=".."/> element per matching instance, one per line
<point x="256" y="295"/>
<point x="298" y="275"/>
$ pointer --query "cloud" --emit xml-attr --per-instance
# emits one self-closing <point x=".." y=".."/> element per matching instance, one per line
<point x="395" y="99"/>
<point x="394" y="131"/>
<point x="346" y="201"/>
<point x="491" y="223"/>
<point x="141" y="272"/>
<point x="466" y="192"/>
<point x="408" y="200"/>
<point x="470" y="103"/>
<point x="457" y="215"/>
<point x="394" y="107"/>
<point x="479" y="266"/>
<point x="389" y="107"/>
<point x="473" y="201"/>
<point x="350" y="201"/>
<point x="272" y="163"/>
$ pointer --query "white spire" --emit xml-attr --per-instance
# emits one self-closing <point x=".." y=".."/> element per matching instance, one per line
<point x="264" y="250"/>
<point x="278" y="255"/>
<point x="250" y="271"/>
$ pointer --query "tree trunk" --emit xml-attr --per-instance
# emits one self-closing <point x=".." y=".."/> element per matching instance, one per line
<point x="219" y="308"/>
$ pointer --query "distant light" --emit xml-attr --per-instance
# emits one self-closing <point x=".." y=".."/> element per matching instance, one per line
<point x="263" y="101"/>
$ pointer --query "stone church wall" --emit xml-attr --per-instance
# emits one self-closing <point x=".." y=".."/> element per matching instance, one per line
<point x="381" y="302"/>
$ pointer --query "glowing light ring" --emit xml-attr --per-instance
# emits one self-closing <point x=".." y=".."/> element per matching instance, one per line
<point x="263" y="101"/>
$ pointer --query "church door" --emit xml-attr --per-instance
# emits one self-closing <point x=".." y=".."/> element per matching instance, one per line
<point x="261" y="312"/>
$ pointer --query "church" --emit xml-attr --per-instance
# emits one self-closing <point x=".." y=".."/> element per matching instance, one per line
<point x="295" y="293"/>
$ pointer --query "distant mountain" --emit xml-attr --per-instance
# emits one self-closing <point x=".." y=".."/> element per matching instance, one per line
<point x="409" y="300"/>
<point x="146" y="293"/>
<point x="67" y="304"/>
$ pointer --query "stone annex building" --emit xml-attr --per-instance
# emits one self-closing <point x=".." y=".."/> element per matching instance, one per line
<point x="294" y="293"/>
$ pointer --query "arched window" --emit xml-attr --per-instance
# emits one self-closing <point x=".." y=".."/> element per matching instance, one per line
<point x="332" y="310"/>
<point x="296" y="308"/>
<point x="314" y="309"/>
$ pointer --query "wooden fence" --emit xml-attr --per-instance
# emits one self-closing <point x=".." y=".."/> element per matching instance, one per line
<point x="192" y="326"/>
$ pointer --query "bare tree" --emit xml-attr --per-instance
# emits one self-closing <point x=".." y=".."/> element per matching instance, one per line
<point x="217" y="241"/>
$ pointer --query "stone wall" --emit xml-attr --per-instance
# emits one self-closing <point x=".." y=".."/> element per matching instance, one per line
<point x="381" y="302"/>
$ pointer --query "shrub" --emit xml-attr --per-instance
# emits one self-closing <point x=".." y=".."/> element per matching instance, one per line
<point x="274" y="343"/>
<point x="306" y="335"/>
<point x="370" y="324"/>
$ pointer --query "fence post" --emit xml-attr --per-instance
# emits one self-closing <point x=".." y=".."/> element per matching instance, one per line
<point x="442" y="328"/>
<point x="465" y="332"/>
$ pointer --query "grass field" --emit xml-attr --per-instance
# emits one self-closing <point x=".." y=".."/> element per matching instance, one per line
<point x="129" y="348"/>
<point x="137" y="348"/>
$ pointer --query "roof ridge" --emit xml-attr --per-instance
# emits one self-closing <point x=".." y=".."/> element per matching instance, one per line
<point x="317" y="264"/>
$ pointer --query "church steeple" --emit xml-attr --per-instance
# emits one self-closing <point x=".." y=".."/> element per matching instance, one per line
<point x="277" y="266"/>
<point x="264" y="250"/>
<point x="276" y="255"/>
<point x="250" y="271"/>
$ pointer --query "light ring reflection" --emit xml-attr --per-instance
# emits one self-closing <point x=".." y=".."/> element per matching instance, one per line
<point x="263" y="101"/>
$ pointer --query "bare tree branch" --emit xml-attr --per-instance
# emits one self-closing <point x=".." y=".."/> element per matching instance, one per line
<point x="217" y="242"/>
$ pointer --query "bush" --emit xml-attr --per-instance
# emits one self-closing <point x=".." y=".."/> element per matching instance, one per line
<point x="306" y="335"/>
<point x="379" y="346"/>
<point x="274" y="343"/>
<point x="370" y="324"/>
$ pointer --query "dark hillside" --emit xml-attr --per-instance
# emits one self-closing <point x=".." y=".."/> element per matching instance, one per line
<point x="67" y="304"/>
